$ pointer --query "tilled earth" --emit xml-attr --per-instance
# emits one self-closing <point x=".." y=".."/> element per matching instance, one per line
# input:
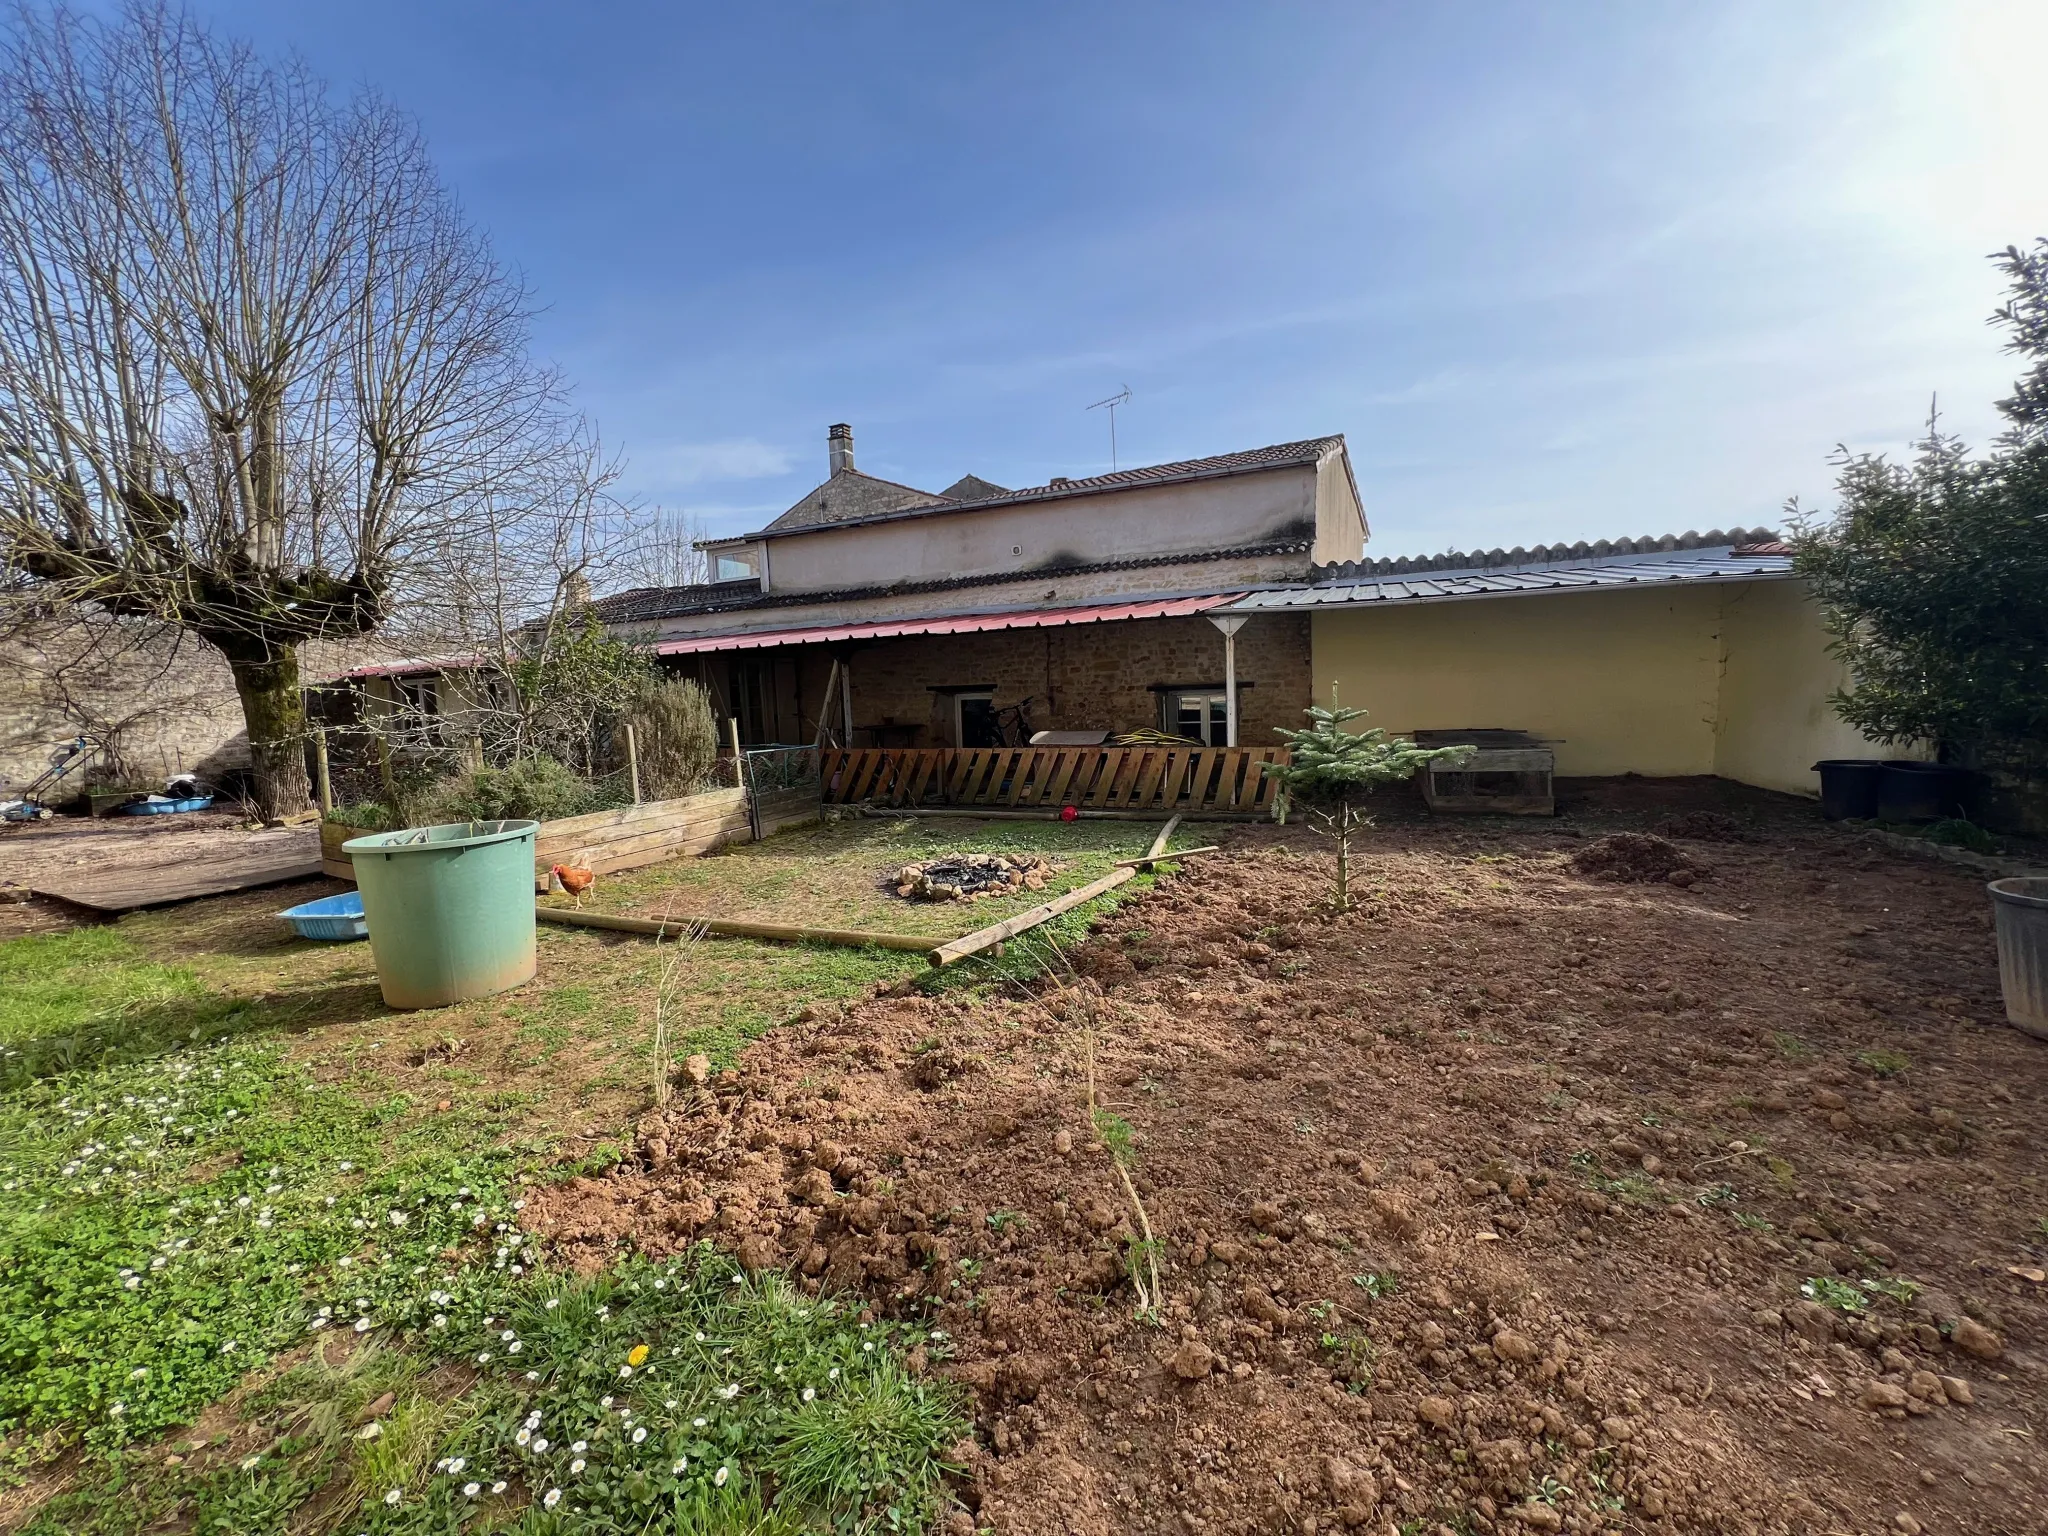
<point x="1701" y="1192"/>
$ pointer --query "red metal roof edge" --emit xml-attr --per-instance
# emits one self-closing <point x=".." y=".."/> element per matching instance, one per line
<point x="948" y="624"/>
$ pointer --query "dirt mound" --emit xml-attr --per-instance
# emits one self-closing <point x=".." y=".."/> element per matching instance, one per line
<point x="1636" y="858"/>
<point x="1707" y="827"/>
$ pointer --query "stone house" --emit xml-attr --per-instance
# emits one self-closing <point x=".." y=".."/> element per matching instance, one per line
<point x="876" y="614"/>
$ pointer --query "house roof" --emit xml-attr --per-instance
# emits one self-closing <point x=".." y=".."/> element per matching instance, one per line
<point x="877" y="501"/>
<point x="948" y="624"/>
<point x="852" y="497"/>
<point x="1746" y="556"/>
<point x="645" y="604"/>
<point x="973" y="488"/>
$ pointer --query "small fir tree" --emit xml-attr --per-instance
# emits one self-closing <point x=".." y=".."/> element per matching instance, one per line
<point x="1331" y="768"/>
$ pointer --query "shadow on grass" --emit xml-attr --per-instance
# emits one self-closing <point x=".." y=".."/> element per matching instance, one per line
<point x="144" y="1030"/>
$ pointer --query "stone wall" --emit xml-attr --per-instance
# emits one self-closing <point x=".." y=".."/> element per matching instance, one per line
<point x="1077" y="677"/>
<point x="172" y="698"/>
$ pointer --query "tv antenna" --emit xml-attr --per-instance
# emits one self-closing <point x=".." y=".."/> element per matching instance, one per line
<point x="1121" y="397"/>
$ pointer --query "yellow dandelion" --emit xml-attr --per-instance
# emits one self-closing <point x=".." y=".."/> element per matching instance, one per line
<point x="637" y="1355"/>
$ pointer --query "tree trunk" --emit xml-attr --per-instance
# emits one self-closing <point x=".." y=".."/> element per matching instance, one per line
<point x="274" y="710"/>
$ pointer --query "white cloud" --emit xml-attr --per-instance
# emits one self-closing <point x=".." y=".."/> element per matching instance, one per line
<point x="740" y="458"/>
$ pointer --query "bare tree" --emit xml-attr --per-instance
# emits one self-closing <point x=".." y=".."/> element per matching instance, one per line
<point x="258" y="378"/>
<point x="659" y="549"/>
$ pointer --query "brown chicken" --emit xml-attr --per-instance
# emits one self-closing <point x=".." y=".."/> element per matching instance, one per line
<point x="573" y="880"/>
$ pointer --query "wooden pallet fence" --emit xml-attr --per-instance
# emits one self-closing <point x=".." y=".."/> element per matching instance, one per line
<point x="1208" y="781"/>
<point x="606" y="842"/>
<point x="609" y="841"/>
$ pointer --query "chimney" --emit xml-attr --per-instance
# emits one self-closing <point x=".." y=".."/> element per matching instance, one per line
<point x="839" y="446"/>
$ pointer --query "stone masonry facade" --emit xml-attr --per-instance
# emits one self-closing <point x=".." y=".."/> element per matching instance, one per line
<point x="1080" y="677"/>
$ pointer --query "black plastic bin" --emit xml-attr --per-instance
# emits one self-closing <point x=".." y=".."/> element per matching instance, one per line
<point x="1908" y="791"/>
<point x="1848" y="787"/>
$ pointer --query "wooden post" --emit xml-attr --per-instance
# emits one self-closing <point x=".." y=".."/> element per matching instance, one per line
<point x="633" y="761"/>
<point x="323" y="784"/>
<point x="825" y="704"/>
<point x="384" y="776"/>
<point x="476" y="754"/>
<point x="733" y="721"/>
<point x="846" y="698"/>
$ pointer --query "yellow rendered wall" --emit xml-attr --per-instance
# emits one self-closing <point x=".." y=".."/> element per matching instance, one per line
<point x="1728" y="679"/>
<point x="1622" y="681"/>
<point x="1775" y="718"/>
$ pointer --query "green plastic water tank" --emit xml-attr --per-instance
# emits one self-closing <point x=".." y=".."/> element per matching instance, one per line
<point x="449" y="908"/>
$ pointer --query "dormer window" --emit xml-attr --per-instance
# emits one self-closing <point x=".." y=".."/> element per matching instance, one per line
<point x="734" y="568"/>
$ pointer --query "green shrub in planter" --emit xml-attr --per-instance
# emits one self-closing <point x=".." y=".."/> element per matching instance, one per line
<point x="535" y="788"/>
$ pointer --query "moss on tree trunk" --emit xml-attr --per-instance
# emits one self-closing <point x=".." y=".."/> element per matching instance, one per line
<point x="274" y="710"/>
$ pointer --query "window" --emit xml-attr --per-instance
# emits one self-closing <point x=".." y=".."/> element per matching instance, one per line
<point x="418" y="706"/>
<point x="974" y="720"/>
<point x="732" y="568"/>
<point x="1198" y="714"/>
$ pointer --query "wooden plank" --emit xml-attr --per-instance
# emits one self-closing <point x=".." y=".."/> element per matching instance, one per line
<point x="1020" y="764"/>
<point x="1159" y="766"/>
<point x="1031" y="785"/>
<point x="923" y="777"/>
<point x="126" y="889"/>
<point x="675" y="927"/>
<point x="988" y="938"/>
<point x="1156" y="858"/>
<point x="1102" y="794"/>
<point x="1056" y="791"/>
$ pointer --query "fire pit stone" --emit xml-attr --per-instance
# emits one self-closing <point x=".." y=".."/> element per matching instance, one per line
<point x="971" y="876"/>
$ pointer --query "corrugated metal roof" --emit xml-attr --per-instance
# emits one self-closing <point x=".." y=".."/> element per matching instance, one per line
<point x="948" y="624"/>
<point x="1654" y="570"/>
<point x="412" y="667"/>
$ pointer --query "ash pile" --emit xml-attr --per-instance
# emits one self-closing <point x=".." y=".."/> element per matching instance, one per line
<point x="971" y="876"/>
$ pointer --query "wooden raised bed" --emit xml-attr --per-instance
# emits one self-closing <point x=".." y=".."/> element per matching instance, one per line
<point x="603" y="841"/>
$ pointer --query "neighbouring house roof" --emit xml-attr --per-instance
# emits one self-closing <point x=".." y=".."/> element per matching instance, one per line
<point x="646" y="604"/>
<point x="851" y="497"/>
<point x="1751" y="556"/>
<point x="973" y="488"/>
<point x="411" y="666"/>
<point x="948" y="624"/>
<point x="877" y="501"/>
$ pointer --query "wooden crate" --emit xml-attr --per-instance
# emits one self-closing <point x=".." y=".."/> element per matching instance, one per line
<point x="1510" y="773"/>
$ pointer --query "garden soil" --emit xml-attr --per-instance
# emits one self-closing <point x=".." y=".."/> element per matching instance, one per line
<point x="1515" y="1200"/>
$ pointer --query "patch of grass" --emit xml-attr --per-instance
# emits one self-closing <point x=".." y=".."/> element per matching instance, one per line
<point x="1882" y="1063"/>
<point x="1893" y="1288"/>
<point x="678" y="1396"/>
<point x="1839" y="1295"/>
<point x="74" y="1000"/>
<point x="163" y="1225"/>
<point x="1790" y="1046"/>
<point x="1349" y="1355"/>
<point x="1750" y="1222"/>
<point x="1378" y="1283"/>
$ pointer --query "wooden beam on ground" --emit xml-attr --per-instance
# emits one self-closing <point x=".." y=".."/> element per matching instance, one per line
<point x="730" y="928"/>
<point x="1156" y="858"/>
<point x="986" y="938"/>
<point x="969" y="813"/>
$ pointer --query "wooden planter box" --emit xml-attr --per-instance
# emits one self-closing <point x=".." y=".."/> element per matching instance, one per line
<point x="603" y="841"/>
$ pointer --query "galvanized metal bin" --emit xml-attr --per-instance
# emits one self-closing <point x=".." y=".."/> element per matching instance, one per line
<point x="450" y="909"/>
<point x="2021" y="906"/>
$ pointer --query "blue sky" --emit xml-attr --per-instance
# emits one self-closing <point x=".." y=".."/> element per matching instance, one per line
<point x="1557" y="272"/>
